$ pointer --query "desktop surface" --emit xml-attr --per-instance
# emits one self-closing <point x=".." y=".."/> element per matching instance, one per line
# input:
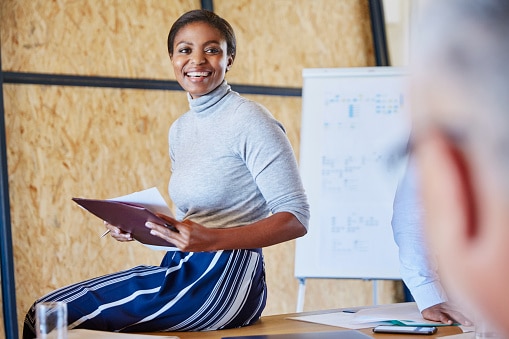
<point x="280" y="324"/>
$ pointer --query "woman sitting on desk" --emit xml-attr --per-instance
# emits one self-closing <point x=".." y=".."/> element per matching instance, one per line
<point x="232" y="167"/>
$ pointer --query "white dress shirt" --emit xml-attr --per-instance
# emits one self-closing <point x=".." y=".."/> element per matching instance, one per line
<point x="418" y="268"/>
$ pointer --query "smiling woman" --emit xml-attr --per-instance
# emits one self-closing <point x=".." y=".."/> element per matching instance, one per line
<point x="236" y="187"/>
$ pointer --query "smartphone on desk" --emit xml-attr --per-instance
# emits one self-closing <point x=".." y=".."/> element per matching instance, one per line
<point x="405" y="329"/>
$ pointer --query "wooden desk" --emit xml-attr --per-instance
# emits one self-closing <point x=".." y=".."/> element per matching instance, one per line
<point x="278" y="324"/>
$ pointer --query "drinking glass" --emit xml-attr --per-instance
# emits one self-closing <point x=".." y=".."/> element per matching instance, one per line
<point x="51" y="320"/>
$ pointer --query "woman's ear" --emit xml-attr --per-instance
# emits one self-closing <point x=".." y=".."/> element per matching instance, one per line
<point x="229" y="62"/>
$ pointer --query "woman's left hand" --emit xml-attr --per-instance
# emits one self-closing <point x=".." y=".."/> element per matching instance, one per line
<point x="191" y="237"/>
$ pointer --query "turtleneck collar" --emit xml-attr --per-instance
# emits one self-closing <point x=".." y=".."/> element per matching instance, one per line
<point x="203" y="103"/>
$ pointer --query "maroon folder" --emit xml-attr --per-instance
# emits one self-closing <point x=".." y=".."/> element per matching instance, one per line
<point x="128" y="217"/>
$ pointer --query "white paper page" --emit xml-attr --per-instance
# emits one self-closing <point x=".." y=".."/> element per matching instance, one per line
<point x="150" y="198"/>
<point x="339" y="319"/>
<point x="406" y="313"/>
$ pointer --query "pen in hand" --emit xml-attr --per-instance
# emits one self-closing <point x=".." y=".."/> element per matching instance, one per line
<point x="107" y="231"/>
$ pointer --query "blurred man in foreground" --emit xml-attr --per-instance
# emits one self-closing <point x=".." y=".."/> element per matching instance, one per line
<point x="461" y="140"/>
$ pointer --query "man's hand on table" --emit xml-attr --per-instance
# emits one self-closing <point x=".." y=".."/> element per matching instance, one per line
<point x="446" y="314"/>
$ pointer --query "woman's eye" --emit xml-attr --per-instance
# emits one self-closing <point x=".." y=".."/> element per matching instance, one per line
<point x="184" y="50"/>
<point x="212" y="50"/>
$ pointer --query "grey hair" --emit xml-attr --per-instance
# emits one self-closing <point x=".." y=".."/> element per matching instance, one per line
<point x="467" y="42"/>
<point x="469" y="37"/>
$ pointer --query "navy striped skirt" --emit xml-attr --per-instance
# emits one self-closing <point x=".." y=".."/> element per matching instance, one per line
<point x="190" y="291"/>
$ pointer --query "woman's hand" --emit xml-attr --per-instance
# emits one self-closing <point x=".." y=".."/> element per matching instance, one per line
<point x="191" y="237"/>
<point x="117" y="234"/>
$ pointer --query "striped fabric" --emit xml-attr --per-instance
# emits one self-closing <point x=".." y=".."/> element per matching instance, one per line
<point x="188" y="292"/>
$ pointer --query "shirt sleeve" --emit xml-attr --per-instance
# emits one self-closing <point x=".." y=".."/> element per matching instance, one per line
<point x="418" y="268"/>
<point x="269" y="156"/>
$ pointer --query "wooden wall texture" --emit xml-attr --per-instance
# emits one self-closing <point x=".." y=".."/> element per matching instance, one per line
<point x="103" y="142"/>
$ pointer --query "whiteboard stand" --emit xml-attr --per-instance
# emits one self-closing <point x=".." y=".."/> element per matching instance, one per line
<point x="302" y="293"/>
<point x="375" y="292"/>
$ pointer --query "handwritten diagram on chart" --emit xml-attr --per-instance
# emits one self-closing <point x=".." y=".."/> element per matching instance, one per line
<point x="351" y="165"/>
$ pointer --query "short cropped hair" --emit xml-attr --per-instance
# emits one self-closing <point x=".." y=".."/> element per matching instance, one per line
<point x="214" y="20"/>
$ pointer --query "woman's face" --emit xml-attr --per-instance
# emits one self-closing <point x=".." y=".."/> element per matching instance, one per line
<point x="200" y="58"/>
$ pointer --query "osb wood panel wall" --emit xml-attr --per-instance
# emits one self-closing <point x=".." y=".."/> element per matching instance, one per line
<point x="102" y="142"/>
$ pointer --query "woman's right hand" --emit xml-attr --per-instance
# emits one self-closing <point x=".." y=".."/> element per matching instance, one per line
<point x="117" y="234"/>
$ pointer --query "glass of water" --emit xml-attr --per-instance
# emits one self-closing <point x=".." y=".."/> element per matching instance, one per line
<point x="51" y="320"/>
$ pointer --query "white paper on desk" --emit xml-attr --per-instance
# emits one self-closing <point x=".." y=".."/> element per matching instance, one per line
<point x="152" y="199"/>
<point x="87" y="334"/>
<point x="404" y="313"/>
<point x="339" y="319"/>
